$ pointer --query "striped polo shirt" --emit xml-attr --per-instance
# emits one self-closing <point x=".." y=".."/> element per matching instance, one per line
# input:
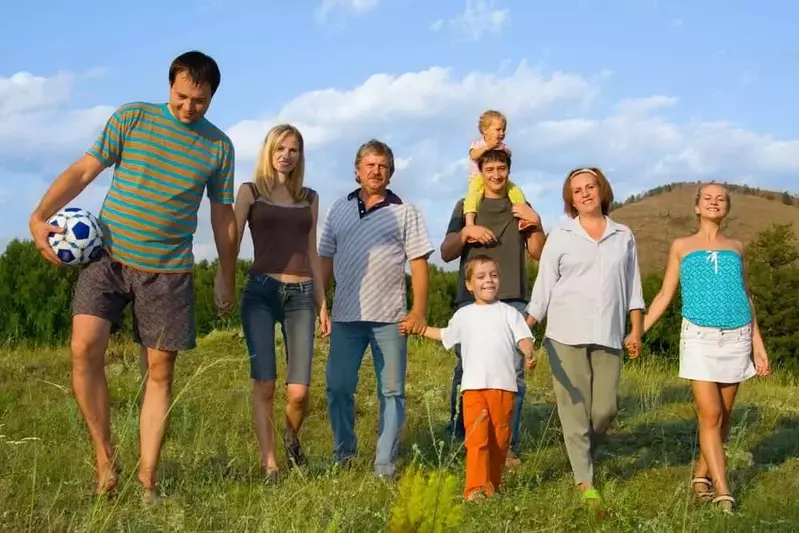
<point x="370" y="249"/>
<point x="162" y="166"/>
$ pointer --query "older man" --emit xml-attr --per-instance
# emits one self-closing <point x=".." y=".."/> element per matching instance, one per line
<point x="366" y="240"/>
<point x="497" y="235"/>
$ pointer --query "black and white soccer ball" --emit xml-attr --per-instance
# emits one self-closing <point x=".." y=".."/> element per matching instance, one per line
<point x="82" y="240"/>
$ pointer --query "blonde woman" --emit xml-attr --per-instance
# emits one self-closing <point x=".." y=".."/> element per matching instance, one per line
<point x="284" y="286"/>
<point x="719" y="332"/>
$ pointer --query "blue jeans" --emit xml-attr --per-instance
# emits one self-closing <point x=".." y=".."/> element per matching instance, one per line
<point x="266" y="301"/>
<point x="348" y="342"/>
<point x="456" y="403"/>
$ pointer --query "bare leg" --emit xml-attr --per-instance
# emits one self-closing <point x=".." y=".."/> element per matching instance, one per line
<point x="710" y="405"/>
<point x="728" y="393"/>
<point x="89" y="342"/>
<point x="157" y="398"/>
<point x="296" y="408"/>
<point x="263" y="416"/>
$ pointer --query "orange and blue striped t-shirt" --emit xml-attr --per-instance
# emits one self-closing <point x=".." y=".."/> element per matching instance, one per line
<point x="162" y="166"/>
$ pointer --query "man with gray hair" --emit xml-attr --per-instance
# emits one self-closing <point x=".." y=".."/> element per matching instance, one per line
<point x="366" y="240"/>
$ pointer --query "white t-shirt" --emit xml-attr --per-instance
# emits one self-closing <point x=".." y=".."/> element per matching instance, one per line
<point x="489" y="335"/>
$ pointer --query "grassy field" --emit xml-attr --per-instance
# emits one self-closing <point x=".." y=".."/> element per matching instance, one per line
<point x="210" y="480"/>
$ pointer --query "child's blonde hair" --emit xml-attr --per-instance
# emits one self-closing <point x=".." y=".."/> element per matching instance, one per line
<point x="476" y="261"/>
<point x="487" y="117"/>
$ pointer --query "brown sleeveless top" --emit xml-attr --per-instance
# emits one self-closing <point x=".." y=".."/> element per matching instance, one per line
<point x="280" y="235"/>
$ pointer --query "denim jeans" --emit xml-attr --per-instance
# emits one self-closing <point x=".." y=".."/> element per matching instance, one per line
<point x="456" y="403"/>
<point x="348" y="342"/>
<point x="266" y="301"/>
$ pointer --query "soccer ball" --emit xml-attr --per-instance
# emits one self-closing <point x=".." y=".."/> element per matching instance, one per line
<point x="82" y="240"/>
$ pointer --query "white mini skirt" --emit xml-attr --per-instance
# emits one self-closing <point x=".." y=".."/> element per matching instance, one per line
<point x="715" y="354"/>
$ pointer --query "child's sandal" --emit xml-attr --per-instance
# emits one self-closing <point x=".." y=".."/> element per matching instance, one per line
<point x="703" y="495"/>
<point x="725" y="502"/>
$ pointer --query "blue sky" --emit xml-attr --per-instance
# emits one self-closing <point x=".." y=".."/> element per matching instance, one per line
<point x="649" y="90"/>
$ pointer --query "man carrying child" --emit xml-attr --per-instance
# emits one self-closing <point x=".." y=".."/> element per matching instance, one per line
<point x="495" y="234"/>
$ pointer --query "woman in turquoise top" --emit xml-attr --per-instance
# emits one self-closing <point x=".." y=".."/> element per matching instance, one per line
<point x="719" y="332"/>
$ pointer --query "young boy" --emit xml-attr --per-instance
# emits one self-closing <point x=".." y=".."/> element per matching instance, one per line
<point x="489" y="332"/>
<point x="492" y="125"/>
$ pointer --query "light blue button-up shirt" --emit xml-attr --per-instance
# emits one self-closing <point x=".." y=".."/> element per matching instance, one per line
<point x="586" y="287"/>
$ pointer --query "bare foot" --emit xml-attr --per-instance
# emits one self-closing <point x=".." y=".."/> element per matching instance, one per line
<point x="150" y="496"/>
<point x="107" y="478"/>
<point x="511" y="461"/>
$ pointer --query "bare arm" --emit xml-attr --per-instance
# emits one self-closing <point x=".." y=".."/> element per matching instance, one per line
<point x="526" y="347"/>
<point x="432" y="333"/>
<point x="244" y="201"/>
<point x="757" y="338"/>
<point x="326" y="271"/>
<point x="223" y="223"/>
<point x="64" y="189"/>
<point x="671" y="280"/>
<point x="420" y="281"/>
<point x="67" y="186"/>
<point x="452" y="246"/>
<point x="535" y="243"/>
<point x="316" y="263"/>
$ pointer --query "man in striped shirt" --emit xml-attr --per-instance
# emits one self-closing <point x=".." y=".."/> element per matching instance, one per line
<point x="164" y="156"/>
<point x="366" y="240"/>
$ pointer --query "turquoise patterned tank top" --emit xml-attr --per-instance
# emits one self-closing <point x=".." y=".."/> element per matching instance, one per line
<point x="712" y="289"/>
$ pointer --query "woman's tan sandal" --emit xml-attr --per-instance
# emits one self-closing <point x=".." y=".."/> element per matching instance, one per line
<point x="703" y="494"/>
<point x="725" y="502"/>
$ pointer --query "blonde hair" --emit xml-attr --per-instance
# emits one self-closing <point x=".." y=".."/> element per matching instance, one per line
<point x="702" y="186"/>
<point x="605" y="190"/>
<point x="487" y="117"/>
<point x="474" y="262"/>
<point x="265" y="175"/>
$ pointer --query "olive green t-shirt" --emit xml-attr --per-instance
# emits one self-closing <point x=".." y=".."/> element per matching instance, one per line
<point x="509" y="250"/>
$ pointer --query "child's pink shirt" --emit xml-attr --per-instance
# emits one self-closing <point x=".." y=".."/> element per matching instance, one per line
<point x="474" y="170"/>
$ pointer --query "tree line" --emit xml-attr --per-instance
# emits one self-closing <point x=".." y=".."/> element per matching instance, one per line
<point x="35" y="298"/>
<point x="785" y="197"/>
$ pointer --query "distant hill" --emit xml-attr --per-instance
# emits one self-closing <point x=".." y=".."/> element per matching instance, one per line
<point x="664" y="213"/>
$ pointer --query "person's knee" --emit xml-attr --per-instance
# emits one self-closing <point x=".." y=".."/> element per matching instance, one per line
<point x="710" y="417"/>
<point x="296" y="396"/>
<point x="88" y="342"/>
<point x="160" y="367"/>
<point x="263" y="391"/>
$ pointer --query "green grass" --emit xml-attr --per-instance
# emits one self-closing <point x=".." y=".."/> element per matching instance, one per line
<point x="209" y="469"/>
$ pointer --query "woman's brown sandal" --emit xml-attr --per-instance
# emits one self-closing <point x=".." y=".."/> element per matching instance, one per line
<point x="725" y="502"/>
<point x="703" y="495"/>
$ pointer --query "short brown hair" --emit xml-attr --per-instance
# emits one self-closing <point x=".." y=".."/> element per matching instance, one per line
<point x="487" y="116"/>
<point x="476" y="261"/>
<point x="605" y="190"/>
<point x="492" y="156"/>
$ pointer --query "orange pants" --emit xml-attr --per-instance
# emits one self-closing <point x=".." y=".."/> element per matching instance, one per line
<point x="487" y="416"/>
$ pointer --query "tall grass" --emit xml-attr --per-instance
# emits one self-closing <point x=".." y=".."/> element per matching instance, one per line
<point x="210" y="478"/>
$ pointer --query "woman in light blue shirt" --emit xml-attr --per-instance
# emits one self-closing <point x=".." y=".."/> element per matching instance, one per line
<point x="588" y="283"/>
<point x="719" y="332"/>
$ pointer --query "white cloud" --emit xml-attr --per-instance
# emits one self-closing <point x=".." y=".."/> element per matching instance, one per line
<point x="356" y="7"/>
<point x="479" y="19"/>
<point x="429" y="117"/>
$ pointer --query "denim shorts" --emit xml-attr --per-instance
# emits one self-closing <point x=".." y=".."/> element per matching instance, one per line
<point x="267" y="301"/>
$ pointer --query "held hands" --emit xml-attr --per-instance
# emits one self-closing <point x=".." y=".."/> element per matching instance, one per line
<point x="40" y="230"/>
<point x="412" y="324"/>
<point x="530" y="361"/>
<point x="633" y="345"/>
